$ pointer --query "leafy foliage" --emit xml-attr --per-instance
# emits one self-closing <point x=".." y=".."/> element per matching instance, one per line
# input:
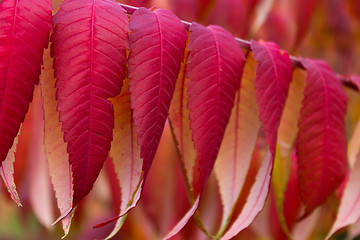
<point x="244" y="110"/>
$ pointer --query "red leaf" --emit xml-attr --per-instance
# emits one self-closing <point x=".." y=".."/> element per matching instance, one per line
<point x="157" y="44"/>
<point x="23" y="37"/>
<point x="55" y="148"/>
<point x="238" y="145"/>
<point x="214" y="69"/>
<point x="273" y="76"/>
<point x="89" y="45"/>
<point x="321" y="141"/>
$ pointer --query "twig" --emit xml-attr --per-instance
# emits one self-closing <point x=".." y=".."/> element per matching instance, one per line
<point x="244" y="44"/>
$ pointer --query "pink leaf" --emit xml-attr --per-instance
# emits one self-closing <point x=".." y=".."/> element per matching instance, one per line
<point x="23" y="37"/>
<point x="157" y="44"/>
<point x="239" y="142"/>
<point x="273" y="76"/>
<point x="321" y="141"/>
<point x="180" y="125"/>
<point x="214" y="70"/>
<point x="7" y="173"/>
<point x="180" y="225"/>
<point x="356" y="80"/>
<point x="55" y="147"/>
<point x="40" y="192"/>
<point x="349" y="209"/>
<point x="125" y="154"/>
<point x="89" y="46"/>
<point x="255" y="200"/>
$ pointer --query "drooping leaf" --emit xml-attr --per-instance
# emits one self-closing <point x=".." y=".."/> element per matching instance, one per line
<point x="321" y="140"/>
<point x="89" y="49"/>
<point x="24" y="33"/>
<point x="157" y="44"/>
<point x="255" y="200"/>
<point x="125" y="154"/>
<point x="7" y="173"/>
<point x="287" y="133"/>
<point x="239" y="142"/>
<point x="179" y="121"/>
<point x="304" y="228"/>
<point x="40" y="192"/>
<point x="55" y="147"/>
<point x="349" y="209"/>
<point x="292" y="200"/>
<point x="180" y="225"/>
<point x="214" y="69"/>
<point x="273" y="76"/>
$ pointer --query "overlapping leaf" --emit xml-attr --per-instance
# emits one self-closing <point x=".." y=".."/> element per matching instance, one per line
<point x="40" y="192"/>
<point x="55" y="147"/>
<point x="179" y="120"/>
<point x="125" y="154"/>
<point x="23" y="37"/>
<point x="214" y="69"/>
<point x="89" y="49"/>
<point x="321" y="141"/>
<point x="7" y="173"/>
<point x="255" y="200"/>
<point x="273" y="76"/>
<point x="287" y="133"/>
<point x="349" y="209"/>
<point x="157" y="44"/>
<point x="239" y="142"/>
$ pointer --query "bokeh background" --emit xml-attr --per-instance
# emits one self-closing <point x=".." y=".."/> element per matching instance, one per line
<point x="322" y="29"/>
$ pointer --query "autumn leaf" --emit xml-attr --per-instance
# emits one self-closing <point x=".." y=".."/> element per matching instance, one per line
<point x="214" y="77"/>
<point x="287" y="133"/>
<point x="255" y="200"/>
<point x="239" y="142"/>
<point x="7" y="173"/>
<point x="157" y="44"/>
<point x="23" y="35"/>
<point x="321" y="140"/>
<point x="40" y="192"/>
<point x="273" y="76"/>
<point x="85" y="79"/>
<point x="125" y="154"/>
<point x="55" y="147"/>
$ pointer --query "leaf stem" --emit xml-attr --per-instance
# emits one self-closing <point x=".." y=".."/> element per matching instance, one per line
<point x="244" y="44"/>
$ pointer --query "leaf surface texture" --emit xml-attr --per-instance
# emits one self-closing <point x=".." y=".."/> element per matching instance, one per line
<point x="89" y="48"/>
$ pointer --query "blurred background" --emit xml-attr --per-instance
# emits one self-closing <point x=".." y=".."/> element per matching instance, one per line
<point x="320" y="29"/>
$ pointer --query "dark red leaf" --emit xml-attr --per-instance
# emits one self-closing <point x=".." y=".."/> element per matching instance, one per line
<point x="157" y="44"/>
<point x="214" y="69"/>
<point x="89" y="49"/>
<point x="24" y="33"/>
<point x="321" y="141"/>
<point x="273" y="76"/>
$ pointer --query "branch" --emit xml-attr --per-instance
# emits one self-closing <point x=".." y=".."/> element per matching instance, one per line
<point x="244" y="44"/>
